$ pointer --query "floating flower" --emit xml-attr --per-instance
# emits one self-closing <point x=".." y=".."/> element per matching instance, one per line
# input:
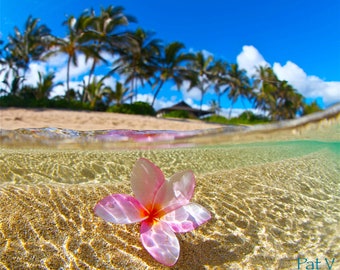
<point x="162" y="206"/>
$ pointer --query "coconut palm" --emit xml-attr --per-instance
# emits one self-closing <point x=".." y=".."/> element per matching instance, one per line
<point x="288" y="102"/>
<point x="171" y="66"/>
<point x="139" y="64"/>
<point x="28" y="45"/>
<point x="276" y="97"/>
<point x="45" y="86"/>
<point x="215" y="107"/>
<point x="106" y="33"/>
<point x="11" y="78"/>
<point x="201" y="74"/>
<point x="120" y="93"/>
<point x="218" y="79"/>
<point x="264" y="83"/>
<point x="13" y="84"/>
<point x="22" y="48"/>
<point x="96" y="90"/>
<point x="76" y="42"/>
<point x="238" y="85"/>
<point x="311" y="108"/>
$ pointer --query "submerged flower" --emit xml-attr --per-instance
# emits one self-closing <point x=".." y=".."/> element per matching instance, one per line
<point x="162" y="206"/>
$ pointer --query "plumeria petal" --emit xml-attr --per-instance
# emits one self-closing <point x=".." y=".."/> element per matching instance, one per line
<point x="187" y="217"/>
<point x="176" y="192"/>
<point x="161" y="206"/>
<point x="160" y="241"/>
<point x="120" y="208"/>
<point x="146" y="179"/>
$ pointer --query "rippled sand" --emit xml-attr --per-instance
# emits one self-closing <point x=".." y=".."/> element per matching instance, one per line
<point x="271" y="204"/>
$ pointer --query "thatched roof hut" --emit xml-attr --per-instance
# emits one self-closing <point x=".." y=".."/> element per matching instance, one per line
<point x="182" y="106"/>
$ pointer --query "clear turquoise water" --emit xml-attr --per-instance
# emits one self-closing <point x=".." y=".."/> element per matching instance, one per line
<point x="275" y="202"/>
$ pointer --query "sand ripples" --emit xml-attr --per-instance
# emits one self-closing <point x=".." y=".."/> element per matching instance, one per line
<point x="265" y="215"/>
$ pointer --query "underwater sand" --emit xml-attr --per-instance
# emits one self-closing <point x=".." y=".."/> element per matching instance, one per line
<point x="272" y="202"/>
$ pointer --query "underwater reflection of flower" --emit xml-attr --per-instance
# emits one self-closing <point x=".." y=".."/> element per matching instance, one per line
<point x="162" y="206"/>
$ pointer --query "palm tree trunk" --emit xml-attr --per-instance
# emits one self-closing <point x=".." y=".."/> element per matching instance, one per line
<point x="94" y="63"/>
<point x="156" y="93"/>
<point x="231" y="108"/>
<point x="218" y="103"/>
<point x="201" y="102"/>
<point x="134" y="93"/>
<point x="68" y="78"/>
<point x="245" y="108"/>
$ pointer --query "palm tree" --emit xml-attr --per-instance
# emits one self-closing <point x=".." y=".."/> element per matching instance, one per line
<point x="13" y="84"/>
<point x="106" y="34"/>
<point x="215" y="107"/>
<point x="311" y="108"/>
<point x="288" y="102"/>
<point x="119" y="95"/>
<point x="218" y="79"/>
<point x="96" y="90"/>
<point x="171" y="66"/>
<point x="11" y="78"/>
<point x="264" y="83"/>
<point x="139" y="64"/>
<point x="76" y="42"/>
<point x="278" y="98"/>
<point x="238" y="85"/>
<point x="21" y="49"/>
<point x="201" y="74"/>
<point x="45" y="86"/>
<point x="28" y="45"/>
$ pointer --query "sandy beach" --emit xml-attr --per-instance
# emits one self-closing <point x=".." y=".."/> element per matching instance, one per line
<point x="14" y="118"/>
<point x="272" y="202"/>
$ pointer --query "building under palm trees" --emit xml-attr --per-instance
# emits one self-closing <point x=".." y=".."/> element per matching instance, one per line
<point x="182" y="106"/>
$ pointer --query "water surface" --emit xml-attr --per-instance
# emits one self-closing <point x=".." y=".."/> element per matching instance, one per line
<point x="274" y="197"/>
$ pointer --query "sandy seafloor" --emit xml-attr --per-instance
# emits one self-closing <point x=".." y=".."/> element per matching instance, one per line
<point x="272" y="201"/>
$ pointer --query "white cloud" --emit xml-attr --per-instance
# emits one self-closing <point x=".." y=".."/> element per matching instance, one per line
<point x="144" y="98"/>
<point x="32" y="76"/>
<point x="193" y="93"/>
<point x="249" y="59"/>
<point x="58" y="90"/>
<point x="57" y="60"/>
<point x="237" y="111"/>
<point x="164" y="103"/>
<point x="82" y="68"/>
<point x="308" y="85"/>
<point x="159" y="103"/>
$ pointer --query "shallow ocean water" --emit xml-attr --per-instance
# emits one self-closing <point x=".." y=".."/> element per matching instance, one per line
<point x="274" y="197"/>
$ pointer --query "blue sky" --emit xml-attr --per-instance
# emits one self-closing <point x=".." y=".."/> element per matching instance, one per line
<point x="300" y="40"/>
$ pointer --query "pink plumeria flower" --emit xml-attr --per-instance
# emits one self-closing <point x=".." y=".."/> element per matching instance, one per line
<point x="162" y="206"/>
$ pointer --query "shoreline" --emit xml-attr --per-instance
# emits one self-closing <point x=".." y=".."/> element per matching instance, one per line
<point x="15" y="118"/>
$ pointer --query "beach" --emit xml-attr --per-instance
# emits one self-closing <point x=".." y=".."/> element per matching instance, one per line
<point x="14" y="118"/>
<point x="273" y="202"/>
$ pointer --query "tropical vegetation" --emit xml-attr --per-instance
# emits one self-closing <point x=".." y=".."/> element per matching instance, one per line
<point x="136" y="59"/>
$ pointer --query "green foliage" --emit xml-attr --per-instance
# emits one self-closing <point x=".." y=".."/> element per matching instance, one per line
<point x="138" y="107"/>
<point x="177" y="114"/>
<point x="216" y="119"/>
<point x="311" y="108"/>
<point x="278" y="98"/>
<point x="31" y="102"/>
<point x="245" y="118"/>
<point x="252" y="117"/>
